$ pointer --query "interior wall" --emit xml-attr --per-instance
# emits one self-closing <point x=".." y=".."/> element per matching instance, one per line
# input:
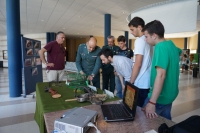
<point x="179" y="42"/>
<point x="193" y="42"/>
<point x="72" y="47"/>
<point x="3" y="46"/>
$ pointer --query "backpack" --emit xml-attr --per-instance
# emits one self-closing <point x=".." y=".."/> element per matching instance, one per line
<point x="190" y="125"/>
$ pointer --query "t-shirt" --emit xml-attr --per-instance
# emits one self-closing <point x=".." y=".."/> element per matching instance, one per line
<point x="123" y="66"/>
<point x="166" y="55"/>
<point x="142" y="48"/>
<point x="127" y="52"/>
<point x="56" y="55"/>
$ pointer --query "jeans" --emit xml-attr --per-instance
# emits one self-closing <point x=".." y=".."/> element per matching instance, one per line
<point x="163" y="110"/>
<point x="118" y="87"/>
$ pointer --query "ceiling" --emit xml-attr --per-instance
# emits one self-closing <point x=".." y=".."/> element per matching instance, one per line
<point x="78" y="18"/>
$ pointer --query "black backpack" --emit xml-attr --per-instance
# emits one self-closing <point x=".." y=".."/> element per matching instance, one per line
<point x="190" y="125"/>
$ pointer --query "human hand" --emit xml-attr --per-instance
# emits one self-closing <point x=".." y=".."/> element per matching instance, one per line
<point x="81" y="72"/>
<point x="115" y="73"/>
<point x="50" y="64"/>
<point x="150" y="111"/>
<point x="90" y="78"/>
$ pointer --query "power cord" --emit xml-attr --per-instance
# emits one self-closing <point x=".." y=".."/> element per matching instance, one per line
<point x="90" y="124"/>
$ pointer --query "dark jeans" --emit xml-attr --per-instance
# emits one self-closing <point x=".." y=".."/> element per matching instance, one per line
<point x="143" y="93"/>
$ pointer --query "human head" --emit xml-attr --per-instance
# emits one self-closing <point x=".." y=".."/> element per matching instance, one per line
<point x="121" y="41"/>
<point x="136" y="25"/>
<point x="153" y="32"/>
<point x="92" y="43"/>
<point x="111" y="40"/>
<point x="60" y="37"/>
<point x="106" y="56"/>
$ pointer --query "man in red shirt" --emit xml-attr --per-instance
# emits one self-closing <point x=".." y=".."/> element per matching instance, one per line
<point x="56" y="57"/>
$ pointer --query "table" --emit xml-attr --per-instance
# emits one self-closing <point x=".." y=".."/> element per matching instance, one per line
<point x="45" y="103"/>
<point x="140" y="124"/>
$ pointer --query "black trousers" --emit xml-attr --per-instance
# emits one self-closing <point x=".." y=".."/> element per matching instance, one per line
<point x="143" y="93"/>
<point x="108" y="75"/>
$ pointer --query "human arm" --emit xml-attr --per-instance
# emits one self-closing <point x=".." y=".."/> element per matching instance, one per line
<point x="150" y="108"/>
<point x="136" y="67"/>
<point x="122" y="82"/>
<point x="97" y="65"/>
<point x="78" y="60"/>
<point x="42" y="57"/>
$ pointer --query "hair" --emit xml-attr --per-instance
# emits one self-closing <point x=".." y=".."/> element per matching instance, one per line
<point x="121" y="39"/>
<point x="111" y="37"/>
<point x="136" y="21"/>
<point x="185" y="55"/>
<point x="106" y="52"/>
<point x="155" y="27"/>
<point x="60" y="32"/>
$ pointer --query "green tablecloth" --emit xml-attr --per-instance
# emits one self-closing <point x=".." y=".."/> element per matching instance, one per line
<point x="45" y="103"/>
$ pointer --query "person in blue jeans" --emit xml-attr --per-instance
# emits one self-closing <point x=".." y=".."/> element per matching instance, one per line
<point x="126" y="52"/>
<point x="164" y="78"/>
<point x="121" y="64"/>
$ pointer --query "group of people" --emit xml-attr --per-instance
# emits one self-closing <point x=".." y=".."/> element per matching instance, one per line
<point x="154" y="67"/>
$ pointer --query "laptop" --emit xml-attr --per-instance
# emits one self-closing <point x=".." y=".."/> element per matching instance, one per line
<point x="124" y="111"/>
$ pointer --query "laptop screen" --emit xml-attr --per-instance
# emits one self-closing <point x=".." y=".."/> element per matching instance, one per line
<point x="129" y="97"/>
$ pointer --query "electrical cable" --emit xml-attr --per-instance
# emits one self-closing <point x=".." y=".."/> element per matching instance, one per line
<point x="90" y="124"/>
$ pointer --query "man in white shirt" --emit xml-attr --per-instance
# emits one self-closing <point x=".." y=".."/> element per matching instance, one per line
<point x="122" y="64"/>
<point x="140" y="76"/>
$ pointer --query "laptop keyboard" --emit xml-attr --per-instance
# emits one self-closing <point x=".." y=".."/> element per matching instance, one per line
<point x="118" y="111"/>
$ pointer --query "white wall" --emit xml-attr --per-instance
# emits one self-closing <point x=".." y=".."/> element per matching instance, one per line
<point x="3" y="44"/>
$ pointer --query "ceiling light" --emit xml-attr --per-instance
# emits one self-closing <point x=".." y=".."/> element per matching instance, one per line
<point x="93" y="26"/>
<point x="81" y="37"/>
<point x="63" y="28"/>
<point x="123" y="12"/>
<point x="78" y="33"/>
<point x="79" y="16"/>
<point x="42" y="20"/>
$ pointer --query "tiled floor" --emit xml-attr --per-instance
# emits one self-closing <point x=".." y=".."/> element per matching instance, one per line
<point x="17" y="114"/>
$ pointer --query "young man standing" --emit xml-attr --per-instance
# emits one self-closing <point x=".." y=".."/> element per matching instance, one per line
<point x="164" y="72"/>
<point x="140" y="76"/>
<point x="126" y="52"/>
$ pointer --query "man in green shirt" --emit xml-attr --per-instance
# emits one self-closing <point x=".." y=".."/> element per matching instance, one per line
<point x="164" y="77"/>
<point x="107" y="69"/>
<point x="88" y="62"/>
